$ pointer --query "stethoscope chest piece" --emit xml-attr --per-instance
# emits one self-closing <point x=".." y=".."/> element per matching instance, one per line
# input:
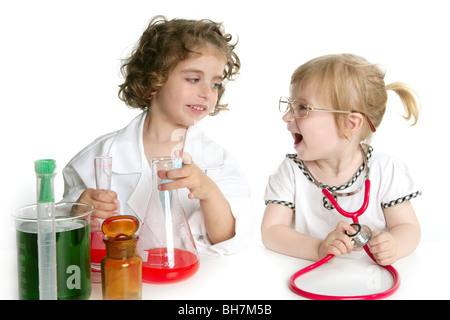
<point x="361" y="236"/>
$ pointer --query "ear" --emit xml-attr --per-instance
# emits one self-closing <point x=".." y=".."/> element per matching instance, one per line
<point x="352" y="123"/>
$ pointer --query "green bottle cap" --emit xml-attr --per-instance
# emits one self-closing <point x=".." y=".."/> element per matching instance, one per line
<point x="45" y="166"/>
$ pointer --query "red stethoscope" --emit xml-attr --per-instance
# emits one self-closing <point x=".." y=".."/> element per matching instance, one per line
<point x="354" y="216"/>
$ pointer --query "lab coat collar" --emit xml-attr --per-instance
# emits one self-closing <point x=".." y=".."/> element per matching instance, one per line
<point x="128" y="149"/>
<point x="206" y="154"/>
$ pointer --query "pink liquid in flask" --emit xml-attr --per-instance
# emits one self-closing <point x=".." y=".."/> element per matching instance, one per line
<point x="156" y="269"/>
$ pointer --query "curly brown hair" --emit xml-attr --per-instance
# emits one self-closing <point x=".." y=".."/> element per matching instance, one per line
<point x="162" y="45"/>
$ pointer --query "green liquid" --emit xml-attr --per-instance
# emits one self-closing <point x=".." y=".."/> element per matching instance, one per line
<point x="72" y="257"/>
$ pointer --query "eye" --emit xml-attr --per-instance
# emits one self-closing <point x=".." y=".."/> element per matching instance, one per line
<point x="300" y="106"/>
<point x="300" y="109"/>
<point x="192" y="80"/>
<point x="216" y="86"/>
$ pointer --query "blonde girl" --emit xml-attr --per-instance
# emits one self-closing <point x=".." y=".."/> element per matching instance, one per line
<point x="336" y="103"/>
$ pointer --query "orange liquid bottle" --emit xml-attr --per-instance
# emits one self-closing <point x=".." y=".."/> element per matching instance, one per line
<point x="121" y="267"/>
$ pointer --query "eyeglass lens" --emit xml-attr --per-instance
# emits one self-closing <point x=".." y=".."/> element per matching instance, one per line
<point x="298" y="109"/>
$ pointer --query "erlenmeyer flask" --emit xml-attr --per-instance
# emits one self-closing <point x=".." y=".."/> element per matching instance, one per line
<point x="166" y="245"/>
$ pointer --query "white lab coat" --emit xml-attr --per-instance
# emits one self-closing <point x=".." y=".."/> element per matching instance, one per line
<point x="131" y="179"/>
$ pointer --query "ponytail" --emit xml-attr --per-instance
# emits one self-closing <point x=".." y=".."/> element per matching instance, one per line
<point x="408" y="97"/>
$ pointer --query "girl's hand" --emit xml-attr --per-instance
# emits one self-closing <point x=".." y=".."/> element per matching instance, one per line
<point x="383" y="247"/>
<point x="189" y="176"/>
<point x="219" y="220"/>
<point x="105" y="204"/>
<point x="337" y="242"/>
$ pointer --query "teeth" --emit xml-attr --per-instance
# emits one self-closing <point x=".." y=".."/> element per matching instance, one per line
<point x="198" y="108"/>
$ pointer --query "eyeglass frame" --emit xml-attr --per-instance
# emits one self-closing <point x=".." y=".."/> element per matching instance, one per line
<point x="290" y="106"/>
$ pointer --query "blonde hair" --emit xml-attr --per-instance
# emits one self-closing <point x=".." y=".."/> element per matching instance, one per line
<point x="351" y="83"/>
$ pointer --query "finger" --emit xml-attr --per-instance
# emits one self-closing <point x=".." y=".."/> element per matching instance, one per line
<point x="186" y="157"/>
<point x="174" y="175"/>
<point x="100" y="199"/>
<point x="95" y="224"/>
<point x="384" y="258"/>
<point x="380" y="248"/>
<point x="104" y="195"/>
<point x="334" y="251"/>
<point x="343" y="226"/>
<point x="377" y="238"/>
<point x="347" y="242"/>
<point x="105" y="206"/>
<point x="173" y="184"/>
<point x="113" y="194"/>
<point x="181" y="170"/>
<point x="340" y="246"/>
<point x="376" y="233"/>
<point x="162" y="174"/>
<point x="386" y="262"/>
<point x="195" y="193"/>
<point x="382" y="255"/>
<point x="100" y="214"/>
<point x="339" y="241"/>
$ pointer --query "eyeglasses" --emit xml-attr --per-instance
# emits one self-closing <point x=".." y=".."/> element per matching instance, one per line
<point x="300" y="110"/>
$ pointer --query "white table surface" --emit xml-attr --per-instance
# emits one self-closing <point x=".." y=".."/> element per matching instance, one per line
<point x="260" y="274"/>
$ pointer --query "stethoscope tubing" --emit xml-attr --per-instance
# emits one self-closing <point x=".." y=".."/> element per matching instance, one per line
<point x="354" y="216"/>
<point x="316" y="296"/>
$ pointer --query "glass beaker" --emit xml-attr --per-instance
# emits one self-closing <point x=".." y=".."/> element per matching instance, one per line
<point x="103" y="172"/>
<point x="166" y="245"/>
<point x="72" y="251"/>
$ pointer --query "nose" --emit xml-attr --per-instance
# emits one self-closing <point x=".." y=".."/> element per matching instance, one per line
<point x="206" y="91"/>
<point x="287" y="117"/>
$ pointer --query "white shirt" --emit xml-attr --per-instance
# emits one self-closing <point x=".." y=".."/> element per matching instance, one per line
<point x="131" y="180"/>
<point x="289" y="185"/>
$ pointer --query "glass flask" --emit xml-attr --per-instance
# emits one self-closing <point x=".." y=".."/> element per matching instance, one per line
<point x="166" y="244"/>
<point x="121" y="268"/>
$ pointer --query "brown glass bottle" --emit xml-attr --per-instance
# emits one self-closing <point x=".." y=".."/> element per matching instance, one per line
<point x="121" y="267"/>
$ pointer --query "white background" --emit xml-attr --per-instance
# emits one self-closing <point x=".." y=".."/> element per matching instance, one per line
<point x="60" y="74"/>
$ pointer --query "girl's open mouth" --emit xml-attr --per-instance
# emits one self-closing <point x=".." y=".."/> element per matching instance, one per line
<point x="197" y="109"/>
<point x="297" y="138"/>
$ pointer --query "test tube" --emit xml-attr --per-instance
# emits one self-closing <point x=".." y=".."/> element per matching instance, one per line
<point x="103" y="171"/>
<point x="46" y="229"/>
